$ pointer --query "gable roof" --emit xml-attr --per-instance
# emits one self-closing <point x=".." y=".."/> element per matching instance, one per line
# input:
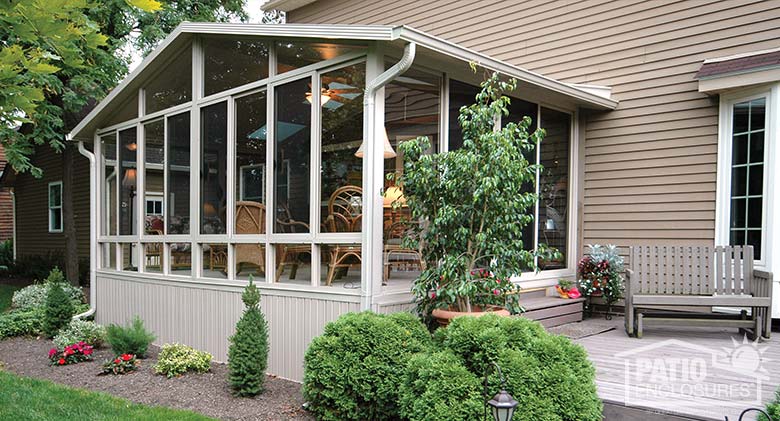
<point x="183" y="34"/>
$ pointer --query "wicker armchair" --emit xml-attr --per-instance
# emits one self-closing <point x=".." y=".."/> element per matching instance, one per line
<point x="345" y="214"/>
<point x="250" y="219"/>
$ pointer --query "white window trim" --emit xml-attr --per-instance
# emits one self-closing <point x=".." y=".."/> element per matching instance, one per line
<point x="723" y="189"/>
<point x="50" y="207"/>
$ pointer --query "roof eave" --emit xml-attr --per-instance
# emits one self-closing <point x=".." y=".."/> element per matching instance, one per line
<point x="285" y="5"/>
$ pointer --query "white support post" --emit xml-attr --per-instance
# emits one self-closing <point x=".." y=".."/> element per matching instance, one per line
<point x="195" y="145"/>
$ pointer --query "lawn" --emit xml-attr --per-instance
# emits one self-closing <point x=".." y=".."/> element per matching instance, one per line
<point x="24" y="398"/>
<point x="6" y="293"/>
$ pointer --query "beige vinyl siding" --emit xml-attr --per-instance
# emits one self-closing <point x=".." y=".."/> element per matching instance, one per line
<point x="205" y="316"/>
<point x="650" y="165"/>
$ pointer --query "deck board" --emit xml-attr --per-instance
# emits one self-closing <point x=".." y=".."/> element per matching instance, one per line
<point x="607" y="352"/>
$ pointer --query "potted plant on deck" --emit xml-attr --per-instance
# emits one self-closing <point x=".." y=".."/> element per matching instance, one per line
<point x="472" y="208"/>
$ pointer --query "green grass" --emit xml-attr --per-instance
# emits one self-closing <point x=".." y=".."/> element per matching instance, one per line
<point x="6" y="293"/>
<point x="24" y="398"/>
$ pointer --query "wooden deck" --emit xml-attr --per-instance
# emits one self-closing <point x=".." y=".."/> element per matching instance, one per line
<point x="681" y="373"/>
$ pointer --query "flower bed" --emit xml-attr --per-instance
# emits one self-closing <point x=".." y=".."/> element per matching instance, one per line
<point x="71" y="354"/>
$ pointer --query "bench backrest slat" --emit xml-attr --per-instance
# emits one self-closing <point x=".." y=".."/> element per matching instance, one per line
<point x="692" y="270"/>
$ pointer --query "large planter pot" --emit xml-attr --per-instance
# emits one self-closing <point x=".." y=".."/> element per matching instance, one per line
<point x="443" y="317"/>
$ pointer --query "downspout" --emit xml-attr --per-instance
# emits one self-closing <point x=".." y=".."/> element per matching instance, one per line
<point x="375" y="248"/>
<point x="92" y="231"/>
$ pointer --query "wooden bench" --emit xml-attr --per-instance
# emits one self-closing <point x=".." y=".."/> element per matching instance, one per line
<point x="692" y="277"/>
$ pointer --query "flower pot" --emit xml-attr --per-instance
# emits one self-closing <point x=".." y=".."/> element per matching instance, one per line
<point x="443" y="317"/>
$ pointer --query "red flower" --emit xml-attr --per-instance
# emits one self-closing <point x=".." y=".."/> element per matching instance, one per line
<point x="117" y="361"/>
<point x="496" y="292"/>
<point x="61" y="361"/>
<point x="87" y="351"/>
<point x="52" y="352"/>
<point x="433" y="295"/>
<point x="126" y="357"/>
<point x="68" y="351"/>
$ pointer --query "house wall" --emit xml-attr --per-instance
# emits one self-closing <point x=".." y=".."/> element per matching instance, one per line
<point x="32" y="212"/>
<point x="204" y="316"/>
<point x="650" y="165"/>
<point x="6" y="204"/>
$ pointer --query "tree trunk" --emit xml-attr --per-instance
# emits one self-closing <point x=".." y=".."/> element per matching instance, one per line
<point x="68" y="219"/>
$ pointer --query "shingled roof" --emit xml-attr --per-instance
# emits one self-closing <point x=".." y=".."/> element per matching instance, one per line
<point x="739" y="64"/>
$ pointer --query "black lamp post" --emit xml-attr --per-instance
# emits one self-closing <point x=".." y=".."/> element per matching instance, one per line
<point x="503" y="405"/>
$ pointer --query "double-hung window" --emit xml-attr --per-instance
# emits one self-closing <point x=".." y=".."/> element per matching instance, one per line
<point x="55" y="206"/>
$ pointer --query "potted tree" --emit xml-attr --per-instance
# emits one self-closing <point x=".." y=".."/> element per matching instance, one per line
<point x="472" y="209"/>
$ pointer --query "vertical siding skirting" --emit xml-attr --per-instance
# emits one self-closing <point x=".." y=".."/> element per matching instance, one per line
<point x="205" y="318"/>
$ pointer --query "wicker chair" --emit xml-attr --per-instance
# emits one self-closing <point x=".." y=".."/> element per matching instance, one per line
<point x="250" y="219"/>
<point x="345" y="214"/>
<point x="394" y="254"/>
<point x="287" y="254"/>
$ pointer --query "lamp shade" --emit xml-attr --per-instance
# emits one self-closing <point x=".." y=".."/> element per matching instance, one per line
<point x="393" y="194"/>
<point x="129" y="178"/>
<point x="502" y="406"/>
<point x="389" y="152"/>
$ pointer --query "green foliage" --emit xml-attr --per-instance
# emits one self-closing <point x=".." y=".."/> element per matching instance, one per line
<point x="549" y="375"/>
<point x="6" y="296"/>
<point x="248" y="352"/>
<point x="132" y="339"/>
<point x="437" y="387"/>
<point x="601" y="271"/>
<point x="34" y="296"/>
<point x="353" y="370"/>
<point x="81" y="331"/>
<point x="121" y="364"/>
<point x="21" y="322"/>
<point x="772" y="408"/>
<point x="58" y="311"/>
<point x="177" y="359"/>
<point x="7" y="254"/>
<point x="24" y="398"/>
<point x="474" y="205"/>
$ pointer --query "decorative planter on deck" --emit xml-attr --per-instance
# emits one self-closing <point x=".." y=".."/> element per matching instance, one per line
<point x="443" y="317"/>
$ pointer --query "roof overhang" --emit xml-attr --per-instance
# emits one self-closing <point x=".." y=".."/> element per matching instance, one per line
<point x="181" y="36"/>
<point x="285" y="5"/>
<point x="722" y="74"/>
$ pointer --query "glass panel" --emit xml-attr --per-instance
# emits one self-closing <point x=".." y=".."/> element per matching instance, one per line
<point x="127" y="111"/>
<point x="461" y="94"/>
<point x="755" y="210"/>
<point x="554" y="184"/>
<point x="215" y="257"/>
<point x="738" y="237"/>
<point x="754" y="239"/>
<point x="181" y="259"/>
<point x="108" y="201"/>
<point x="55" y="217"/>
<point x="293" y="263"/>
<point x="340" y="266"/>
<point x="231" y="62"/>
<point x="756" y="147"/>
<point x="741" y="117"/>
<point x="129" y="257"/>
<point x="109" y="256"/>
<point x="128" y="185"/>
<point x="172" y="86"/>
<point x="518" y="109"/>
<point x="756" y="180"/>
<point x="738" y="212"/>
<point x="154" y="139"/>
<point x="213" y="169"/>
<point x="342" y="134"/>
<point x="153" y="257"/>
<point x="292" y="138"/>
<point x="55" y="195"/>
<point x="294" y="55"/>
<point x="251" y="140"/>
<point x="250" y="260"/>
<point x="739" y="149"/>
<point x="738" y="181"/>
<point x="178" y="168"/>
<point x="757" y="114"/>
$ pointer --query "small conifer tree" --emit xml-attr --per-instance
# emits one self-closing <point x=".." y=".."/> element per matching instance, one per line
<point x="248" y="353"/>
<point x="58" y="311"/>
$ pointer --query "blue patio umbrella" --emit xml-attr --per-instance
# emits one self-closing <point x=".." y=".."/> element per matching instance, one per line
<point x="283" y="131"/>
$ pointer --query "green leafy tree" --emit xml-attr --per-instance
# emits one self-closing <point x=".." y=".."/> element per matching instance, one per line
<point x="248" y="353"/>
<point x="58" y="58"/>
<point x="58" y="311"/>
<point x="473" y="207"/>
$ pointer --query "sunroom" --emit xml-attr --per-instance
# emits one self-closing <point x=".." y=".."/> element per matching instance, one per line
<point x="238" y="150"/>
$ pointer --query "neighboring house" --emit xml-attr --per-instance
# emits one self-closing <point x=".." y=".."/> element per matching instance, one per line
<point x="39" y="220"/>
<point x="6" y="203"/>
<point x="256" y="153"/>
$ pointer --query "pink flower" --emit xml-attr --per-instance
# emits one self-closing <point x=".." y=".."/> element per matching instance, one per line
<point x="574" y="293"/>
<point x="87" y="351"/>
<point x="52" y="352"/>
<point x="433" y="295"/>
<point x="496" y="292"/>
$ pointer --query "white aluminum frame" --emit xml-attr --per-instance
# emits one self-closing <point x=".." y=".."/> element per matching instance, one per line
<point x="50" y="207"/>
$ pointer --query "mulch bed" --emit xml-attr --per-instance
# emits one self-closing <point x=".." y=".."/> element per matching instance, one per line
<point x="208" y="393"/>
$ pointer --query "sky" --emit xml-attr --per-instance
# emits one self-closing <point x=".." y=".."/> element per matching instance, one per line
<point x="252" y="8"/>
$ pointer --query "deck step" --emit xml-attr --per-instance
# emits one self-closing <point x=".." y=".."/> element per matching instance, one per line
<point x="553" y="311"/>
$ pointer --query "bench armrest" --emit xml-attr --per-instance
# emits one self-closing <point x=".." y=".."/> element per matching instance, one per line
<point x="762" y="283"/>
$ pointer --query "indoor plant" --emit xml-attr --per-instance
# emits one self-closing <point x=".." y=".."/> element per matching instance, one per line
<point x="472" y="209"/>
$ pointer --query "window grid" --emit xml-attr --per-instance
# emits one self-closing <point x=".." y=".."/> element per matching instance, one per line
<point x="55" y="206"/>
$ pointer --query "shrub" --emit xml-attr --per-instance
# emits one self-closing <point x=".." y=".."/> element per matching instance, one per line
<point x="34" y="296"/>
<point x="133" y="339"/>
<point x="58" y="311"/>
<point x="772" y="408"/>
<point x="121" y="364"/>
<point x="81" y="331"/>
<point x="353" y="370"/>
<point x="177" y="359"/>
<point x="18" y="323"/>
<point x="71" y="354"/>
<point x="248" y="353"/>
<point x="437" y="387"/>
<point x="549" y="375"/>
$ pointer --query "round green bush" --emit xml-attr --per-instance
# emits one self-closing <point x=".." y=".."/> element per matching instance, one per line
<point x="549" y="375"/>
<point x="353" y="370"/>
<point x="34" y="296"/>
<point x="437" y="387"/>
<point x="176" y="359"/>
<point x="80" y="331"/>
<point x="58" y="311"/>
